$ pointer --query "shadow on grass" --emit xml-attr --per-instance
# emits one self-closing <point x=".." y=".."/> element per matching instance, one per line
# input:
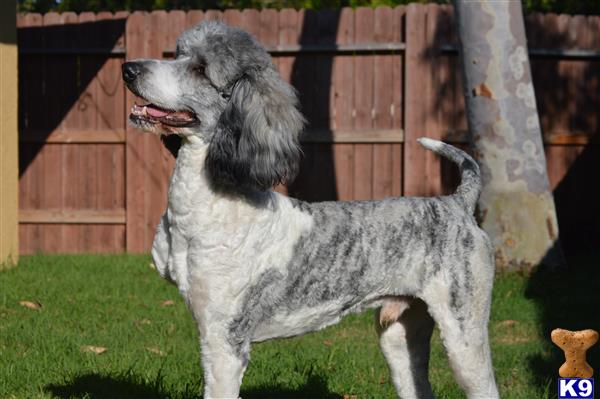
<point x="568" y="299"/>
<point x="96" y="386"/>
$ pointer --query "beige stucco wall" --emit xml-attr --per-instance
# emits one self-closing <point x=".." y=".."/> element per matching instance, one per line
<point x="9" y="237"/>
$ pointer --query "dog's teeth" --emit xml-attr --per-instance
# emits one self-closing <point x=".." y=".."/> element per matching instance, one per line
<point x="137" y="110"/>
<point x="144" y="111"/>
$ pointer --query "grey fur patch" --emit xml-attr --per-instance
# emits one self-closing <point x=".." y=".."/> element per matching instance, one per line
<point x="361" y="251"/>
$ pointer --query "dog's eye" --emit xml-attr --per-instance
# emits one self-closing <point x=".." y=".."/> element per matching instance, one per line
<point x="199" y="69"/>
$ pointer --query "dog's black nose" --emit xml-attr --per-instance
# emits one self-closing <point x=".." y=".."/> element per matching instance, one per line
<point x="131" y="70"/>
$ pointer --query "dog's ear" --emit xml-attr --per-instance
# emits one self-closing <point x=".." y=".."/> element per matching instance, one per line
<point x="256" y="141"/>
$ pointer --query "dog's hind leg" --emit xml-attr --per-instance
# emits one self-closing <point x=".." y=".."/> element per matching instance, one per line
<point x="405" y="345"/>
<point x="460" y="308"/>
<point x="469" y="355"/>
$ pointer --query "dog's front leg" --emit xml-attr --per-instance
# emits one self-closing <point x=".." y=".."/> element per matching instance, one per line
<point x="224" y="366"/>
<point x="161" y="247"/>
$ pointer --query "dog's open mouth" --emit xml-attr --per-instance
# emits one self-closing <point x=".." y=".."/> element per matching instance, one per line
<point x="154" y="114"/>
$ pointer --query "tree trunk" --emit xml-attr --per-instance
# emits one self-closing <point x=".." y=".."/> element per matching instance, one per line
<point x="516" y="207"/>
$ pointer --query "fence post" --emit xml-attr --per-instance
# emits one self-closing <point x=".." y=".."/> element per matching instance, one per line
<point x="9" y="167"/>
<point x="421" y="167"/>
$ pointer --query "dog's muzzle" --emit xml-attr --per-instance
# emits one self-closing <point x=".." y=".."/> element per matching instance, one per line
<point x="151" y="113"/>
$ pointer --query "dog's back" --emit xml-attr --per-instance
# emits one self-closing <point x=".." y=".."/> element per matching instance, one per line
<point x="358" y="252"/>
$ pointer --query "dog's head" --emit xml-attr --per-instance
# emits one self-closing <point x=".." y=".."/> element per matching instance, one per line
<point x="223" y="89"/>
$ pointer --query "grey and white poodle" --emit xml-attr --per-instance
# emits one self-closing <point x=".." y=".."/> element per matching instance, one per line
<point x="254" y="265"/>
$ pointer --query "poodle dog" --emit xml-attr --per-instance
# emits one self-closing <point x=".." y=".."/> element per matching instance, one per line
<point x="254" y="265"/>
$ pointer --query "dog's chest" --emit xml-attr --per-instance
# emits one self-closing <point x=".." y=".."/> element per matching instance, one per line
<point x="195" y="212"/>
<point x="222" y="241"/>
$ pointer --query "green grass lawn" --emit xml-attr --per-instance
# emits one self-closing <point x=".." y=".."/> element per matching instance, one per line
<point x="118" y="303"/>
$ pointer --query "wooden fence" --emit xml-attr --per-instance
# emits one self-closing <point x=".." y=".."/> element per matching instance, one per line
<point x="370" y="82"/>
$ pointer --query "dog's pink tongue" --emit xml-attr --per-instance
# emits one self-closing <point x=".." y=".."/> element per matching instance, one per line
<point x="156" y="112"/>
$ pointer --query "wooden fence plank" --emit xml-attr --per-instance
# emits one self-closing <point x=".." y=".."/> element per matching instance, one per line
<point x="382" y="104"/>
<point x="110" y="104"/>
<point x="79" y="216"/>
<point x="413" y="101"/>
<point x="550" y="138"/>
<point x="31" y="116"/>
<point x="52" y="236"/>
<point x="448" y="96"/>
<point x="136" y="168"/>
<point x="269" y="27"/>
<point x="363" y="104"/>
<point x="233" y="17"/>
<point x="586" y="114"/>
<point x="176" y="24"/>
<point x="251" y="22"/>
<point x="302" y="78"/>
<point x="323" y="179"/>
<point x="24" y="196"/>
<point x="78" y="192"/>
<point x="433" y="182"/>
<point x="71" y="72"/>
<point x="72" y="196"/>
<point x="70" y="86"/>
<point x="110" y="238"/>
<point x="304" y="67"/>
<point x="268" y="33"/>
<point x="343" y="110"/>
<point x="353" y="136"/>
<point x="594" y="26"/>
<point x="85" y="105"/>
<point x="88" y="188"/>
<point x="459" y="117"/>
<point x="156" y="156"/>
<point x="193" y="18"/>
<point x="422" y="176"/>
<point x="287" y="33"/>
<point x="115" y="135"/>
<point x="563" y="157"/>
<point x="560" y="120"/>
<point x="86" y="109"/>
<point x="213" y="15"/>
<point x="323" y="48"/>
<point x="327" y="27"/>
<point x="397" y="87"/>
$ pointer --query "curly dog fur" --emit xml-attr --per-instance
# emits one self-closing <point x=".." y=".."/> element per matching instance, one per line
<point x="254" y="265"/>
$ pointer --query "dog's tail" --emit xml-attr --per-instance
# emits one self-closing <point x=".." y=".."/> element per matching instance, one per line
<point x="470" y="177"/>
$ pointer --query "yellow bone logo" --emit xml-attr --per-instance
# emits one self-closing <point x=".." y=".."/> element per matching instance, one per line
<point x="574" y="344"/>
